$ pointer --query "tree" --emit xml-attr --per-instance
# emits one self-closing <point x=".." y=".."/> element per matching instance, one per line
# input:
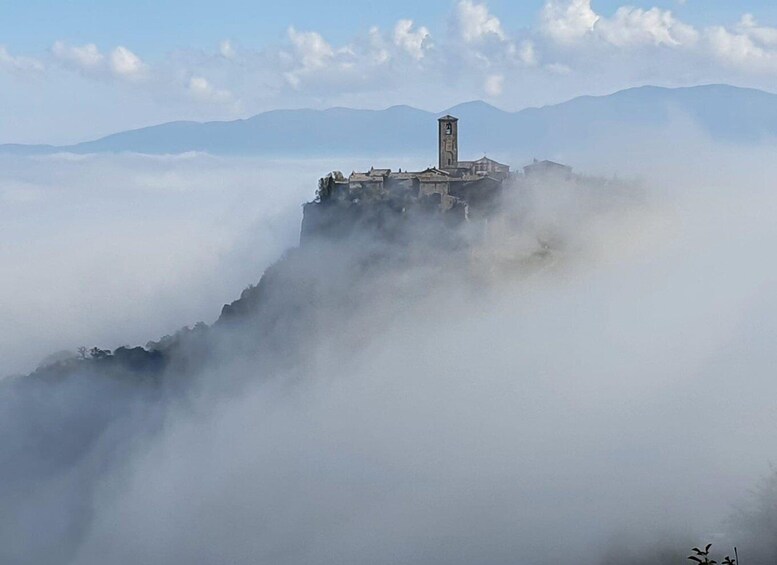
<point x="97" y="353"/>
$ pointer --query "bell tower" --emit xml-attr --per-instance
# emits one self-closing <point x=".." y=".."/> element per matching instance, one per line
<point x="448" y="142"/>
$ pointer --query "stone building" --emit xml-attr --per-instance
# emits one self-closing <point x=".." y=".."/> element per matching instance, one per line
<point x="378" y="198"/>
<point x="547" y="168"/>
<point x="463" y="186"/>
<point x="448" y="145"/>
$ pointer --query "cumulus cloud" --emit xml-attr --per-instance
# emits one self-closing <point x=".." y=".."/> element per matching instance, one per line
<point x="476" y="23"/>
<point x="486" y="43"/>
<point x="201" y="89"/>
<point x="572" y="49"/>
<point x="414" y="42"/>
<point x="747" y="47"/>
<point x="568" y="21"/>
<point x="312" y="56"/>
<point x="765" y="35"/>
<point x="125" y="64"/>
<point x="378" y="60"/>
<point x="313" y="51"/>
<point x="120" y="63"/>
<point x="86" y="58"/>
<point x="378" y="46"/>
<point x="634" y="26"/>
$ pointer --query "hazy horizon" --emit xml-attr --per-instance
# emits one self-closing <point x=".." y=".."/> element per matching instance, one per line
<point x="79" y="71"/>
<point x="380" y="108"/>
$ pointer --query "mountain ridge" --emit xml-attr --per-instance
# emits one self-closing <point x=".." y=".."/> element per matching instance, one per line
<point x="728" y="113"/>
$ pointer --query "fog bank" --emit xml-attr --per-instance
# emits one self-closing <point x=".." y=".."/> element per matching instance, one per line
<point x="113" y="250"/>
<point x="503" y="410"/>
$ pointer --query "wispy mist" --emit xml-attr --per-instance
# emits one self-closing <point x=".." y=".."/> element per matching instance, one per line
<point x="490" y="406"/>
<point x="113" y="250"/>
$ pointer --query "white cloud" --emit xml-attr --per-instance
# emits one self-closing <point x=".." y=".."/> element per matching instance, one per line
<point x="476" y="23"/>
<point x="569" y="21"/>
<point x="748" y="48"/>
<point x="410" y="41"/>
<point x="312" y="49"/>
<point x="363" y="63"/>
<point x="483" y="42"/>
<point x="89" y="60"/>
<point x="571" y="49"/>
<point x="379" y="50"/>
<point x="85" y="58"/>
<point x="125" y="64"/>
<point x="634" y="26"/>
<point x="315" y="61"/>
<point x="202" y="90"/>
<point x="766" y="36"/>
<point x="18" y="63"/>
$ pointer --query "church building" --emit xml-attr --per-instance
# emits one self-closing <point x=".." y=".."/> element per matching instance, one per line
<point x="465" y="185"/>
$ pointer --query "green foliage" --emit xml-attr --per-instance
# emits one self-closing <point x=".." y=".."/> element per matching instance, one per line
<point x="702" y="557"/>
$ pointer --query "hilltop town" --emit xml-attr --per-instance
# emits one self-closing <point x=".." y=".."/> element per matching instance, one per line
<point x="458" y="190"/>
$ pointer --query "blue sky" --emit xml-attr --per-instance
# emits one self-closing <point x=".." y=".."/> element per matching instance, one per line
<point x="70" y="70"/>
<point x="155" y="27"/>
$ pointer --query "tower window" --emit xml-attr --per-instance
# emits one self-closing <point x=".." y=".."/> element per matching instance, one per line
<point x="448" y="129"/>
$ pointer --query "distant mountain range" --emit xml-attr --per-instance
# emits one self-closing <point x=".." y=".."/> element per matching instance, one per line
<point x="725" y="113"/>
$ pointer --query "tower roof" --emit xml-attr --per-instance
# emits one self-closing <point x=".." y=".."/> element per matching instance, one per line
<point x="448" y="118"/>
